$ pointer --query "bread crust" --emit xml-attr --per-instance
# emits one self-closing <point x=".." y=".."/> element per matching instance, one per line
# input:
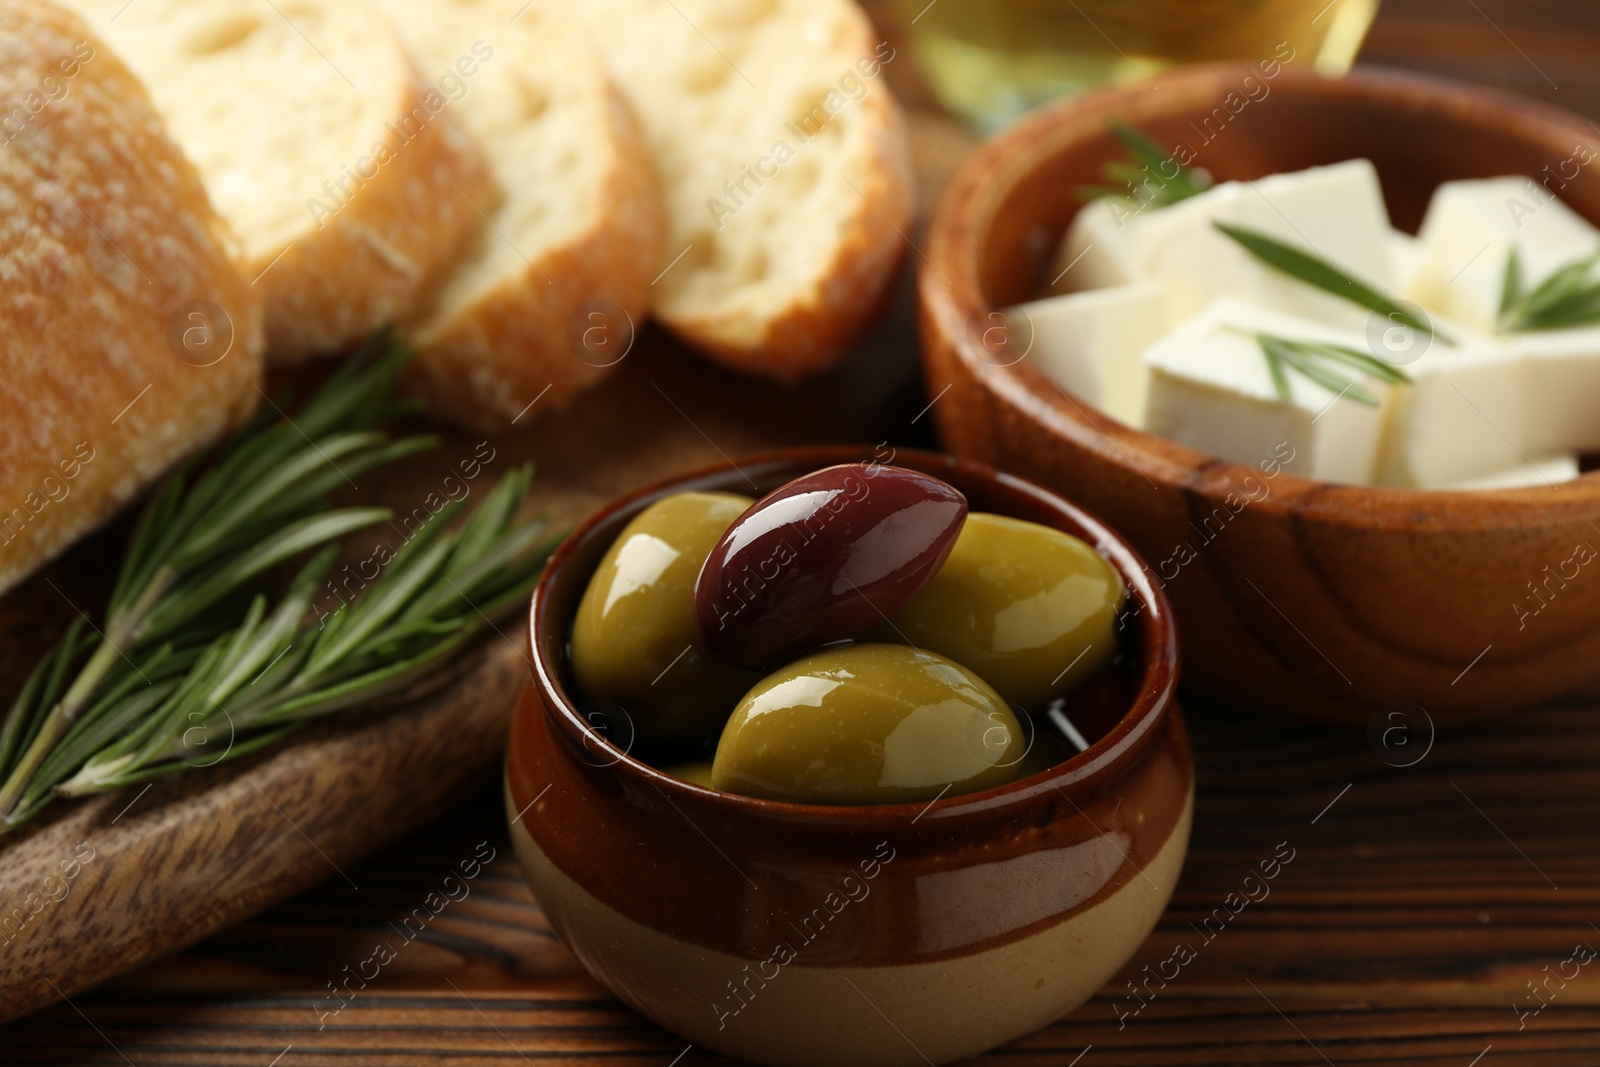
<point x="367" y="265"/>
<point x="109" y="246"/>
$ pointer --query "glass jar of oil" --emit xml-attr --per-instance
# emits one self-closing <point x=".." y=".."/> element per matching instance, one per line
<point x="991" y="60"/>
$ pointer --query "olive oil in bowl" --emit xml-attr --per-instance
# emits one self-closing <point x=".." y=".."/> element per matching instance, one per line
<point x="991" y="60"/>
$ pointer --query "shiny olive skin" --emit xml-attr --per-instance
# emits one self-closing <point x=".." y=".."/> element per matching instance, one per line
<point x="868" y="724"/>
<point x="822" y="559"/>
<point x="1032" y="610"/>
<point x="633" y="640"/>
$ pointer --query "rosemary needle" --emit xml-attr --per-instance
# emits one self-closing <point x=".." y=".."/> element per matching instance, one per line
<point x="1568" y="298"/>
<point x="1317" y="360"/>
<point x="1145" y="179"/>
<point x="1315" y="271"/>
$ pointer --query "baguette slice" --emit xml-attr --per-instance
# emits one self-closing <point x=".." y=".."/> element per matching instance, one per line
<point x="554" y="284"/>
<point x="339" y="164"/>
<point x="786" y="251"/>
<point x="113" y="368"/>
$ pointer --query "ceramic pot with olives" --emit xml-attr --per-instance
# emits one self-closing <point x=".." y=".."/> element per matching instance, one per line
<point x="936" y="772"/>
<point x="843" y="639"/>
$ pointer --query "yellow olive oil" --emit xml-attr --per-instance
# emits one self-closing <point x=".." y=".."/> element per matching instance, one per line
<point x="991" y="60"/>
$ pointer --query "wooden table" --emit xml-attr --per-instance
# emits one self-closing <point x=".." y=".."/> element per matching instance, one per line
<point x="1427" y="911"/>
<point x="1418" y="904"/>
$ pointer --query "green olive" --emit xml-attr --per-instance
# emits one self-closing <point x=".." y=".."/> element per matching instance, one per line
<point x="868" y="724"/>
<point x="1032" y="610"/>
<point x="634" y="641"/>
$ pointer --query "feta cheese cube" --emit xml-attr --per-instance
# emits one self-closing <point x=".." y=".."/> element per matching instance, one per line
<point x="1091" y="342"/>
<point x="1405" y="260"/>
<point x="1334" y="212"/>
<point x="1462" y="415"/>
<point x="1211" y="388"/>
<point x="1563" y="368"/>
<point x="1098" y="251"/>
<point x="1540" y="470"/>
<point x="1469" y="231"/>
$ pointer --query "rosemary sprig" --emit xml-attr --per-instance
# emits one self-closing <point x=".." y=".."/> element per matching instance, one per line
<point x="1316" y="271"/>
<point x="193" y="550"/>
<point x="1149" y="164"/>
<point x="1316" y="360"/>
<point x="1569" y="297"/>
<point x="253" y="684"/>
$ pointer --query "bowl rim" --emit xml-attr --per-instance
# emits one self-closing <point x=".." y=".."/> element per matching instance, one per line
<point x="951" y="297"/>
<point x="1117" y="749"/>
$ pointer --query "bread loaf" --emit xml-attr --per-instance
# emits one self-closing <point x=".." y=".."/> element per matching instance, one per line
<point x="553" y="285"/>
<point x="338" y="161"/>
<point x="785" y="166"/>
<point x="130" y="337"/>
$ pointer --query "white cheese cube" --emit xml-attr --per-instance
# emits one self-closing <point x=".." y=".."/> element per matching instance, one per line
<point x="1211" y="388"/>
<point x="1462" y="415"/>
<point x="1091" y="342"/>
<point x="1540" y="470"/>
<point x="1097" y="251"/>
<point x="1405" y="260"/>
<point x="1335" y="213"/>
<point x="1469" y="231"/>
<point x="1563" y="368"/>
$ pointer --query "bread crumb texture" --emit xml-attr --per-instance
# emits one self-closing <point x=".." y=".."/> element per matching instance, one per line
<point x="785" y="166"/>
<point x="346" y="173"/>
<point x="549" y="292"/>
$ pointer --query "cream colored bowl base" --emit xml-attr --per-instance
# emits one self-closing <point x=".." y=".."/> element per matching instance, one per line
<point x="841" y="1016"/>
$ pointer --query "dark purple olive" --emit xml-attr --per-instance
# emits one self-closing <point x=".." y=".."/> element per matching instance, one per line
<point x="823" y="558"/>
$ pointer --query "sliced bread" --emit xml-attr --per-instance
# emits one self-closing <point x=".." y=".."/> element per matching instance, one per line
<point x="785" y="166"/>
<point x="131" y="338"/>
<point x="338" y="162"/>
<point x="553" y="286"/>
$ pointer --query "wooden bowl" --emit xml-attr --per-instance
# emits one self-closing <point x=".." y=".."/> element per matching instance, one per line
<point x="789" y="933"/>
<point x="1321" y="600"/>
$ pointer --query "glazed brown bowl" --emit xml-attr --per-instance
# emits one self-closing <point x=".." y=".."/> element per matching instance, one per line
<point x="1293" y="596"/>
<point x="890" y="934"/>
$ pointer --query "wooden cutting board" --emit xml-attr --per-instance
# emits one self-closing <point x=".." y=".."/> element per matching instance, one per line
<point x="94" y="889"/>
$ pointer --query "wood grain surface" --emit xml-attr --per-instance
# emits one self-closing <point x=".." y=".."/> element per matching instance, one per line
<point x="1420" y="903"/>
